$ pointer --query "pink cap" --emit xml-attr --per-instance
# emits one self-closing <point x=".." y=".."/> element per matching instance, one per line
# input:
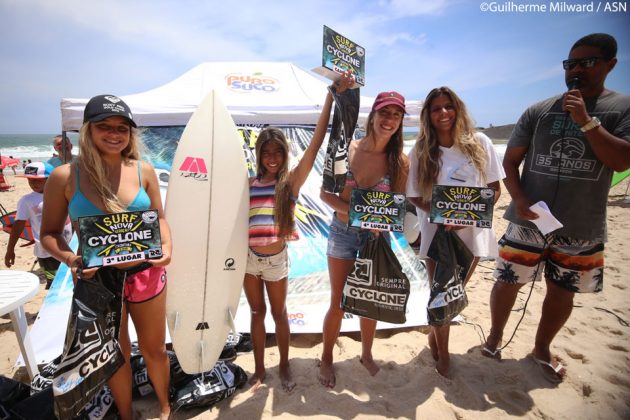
<point x="389" y="98"/>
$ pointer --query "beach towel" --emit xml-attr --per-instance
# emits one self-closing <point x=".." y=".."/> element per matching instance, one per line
<point x="377" y="288"/>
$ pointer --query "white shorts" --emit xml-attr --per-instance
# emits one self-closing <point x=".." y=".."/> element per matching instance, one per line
<point x="270" y="268"/>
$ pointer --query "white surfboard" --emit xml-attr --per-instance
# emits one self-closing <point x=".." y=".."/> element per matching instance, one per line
<point x="207" y="208"/>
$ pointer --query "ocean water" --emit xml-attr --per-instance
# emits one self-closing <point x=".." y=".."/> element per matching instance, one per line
<point x="36" y="147"/>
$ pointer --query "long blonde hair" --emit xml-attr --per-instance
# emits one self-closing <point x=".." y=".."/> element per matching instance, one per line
<point x="428" y="148"/>
<point x="283" y="212"/>
<point x="91" y="163"/>
<point x="394" y="150"/>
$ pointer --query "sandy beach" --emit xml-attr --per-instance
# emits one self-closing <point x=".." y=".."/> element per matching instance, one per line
<point x="594" y="346"/>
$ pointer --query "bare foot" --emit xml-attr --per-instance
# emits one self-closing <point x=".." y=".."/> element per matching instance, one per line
<point x="256" y="380"/>
<point x="286" y="379"/>
<point x="164" y="415"/>
<point x="370" y="365"/>
<point x="327" y="375"/>
<point x="433" y="346"/>
<point x="442" y="366"/>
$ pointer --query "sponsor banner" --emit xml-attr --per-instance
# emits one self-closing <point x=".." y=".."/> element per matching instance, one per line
<point x="340" y="55"/>
<point x="377" y="210"/>
<point x="462" y="206"/>
<point x="256" y="82"/>
<point x="118" y="238"/>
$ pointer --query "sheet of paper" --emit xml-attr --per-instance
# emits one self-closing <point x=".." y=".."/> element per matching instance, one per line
<point x="546" y="222"/>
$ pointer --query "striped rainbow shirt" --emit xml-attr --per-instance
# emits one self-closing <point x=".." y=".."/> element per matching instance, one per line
<point x="262" y="203"/>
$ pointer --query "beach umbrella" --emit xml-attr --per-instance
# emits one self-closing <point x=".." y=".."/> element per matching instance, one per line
<point x="6" y="161"/>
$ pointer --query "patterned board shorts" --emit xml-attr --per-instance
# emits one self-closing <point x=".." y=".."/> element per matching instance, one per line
<point x="573" y="264"/>
<point x="49" y="266"/>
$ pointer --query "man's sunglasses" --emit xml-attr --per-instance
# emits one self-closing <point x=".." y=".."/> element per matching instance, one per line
<point x="585" y="63"/>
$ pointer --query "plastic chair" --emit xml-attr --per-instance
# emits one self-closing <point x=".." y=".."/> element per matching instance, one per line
<point x="4" y="185"/>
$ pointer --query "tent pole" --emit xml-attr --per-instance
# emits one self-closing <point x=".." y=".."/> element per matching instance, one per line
<point x="64" y="139"/>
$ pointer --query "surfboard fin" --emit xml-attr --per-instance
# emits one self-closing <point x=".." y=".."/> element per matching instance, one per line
<point x="202" y="354"/>
<point x="176" y="323"/>
<point x="230" y="320"/>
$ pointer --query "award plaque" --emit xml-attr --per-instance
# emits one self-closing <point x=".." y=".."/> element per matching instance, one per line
<point x="119" y="238"/>
<point x="377" y="210"/>
<point x="340" y="55"/>
<point x="462" y="206"/>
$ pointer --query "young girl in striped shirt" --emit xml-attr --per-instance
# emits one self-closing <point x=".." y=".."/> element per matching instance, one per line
<point x="273" y="193"/>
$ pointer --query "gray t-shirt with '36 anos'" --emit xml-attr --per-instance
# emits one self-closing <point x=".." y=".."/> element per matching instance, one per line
<point x="561" y="169"/>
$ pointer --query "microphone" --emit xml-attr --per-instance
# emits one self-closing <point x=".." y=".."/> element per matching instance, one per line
<point x="573" y="83"/>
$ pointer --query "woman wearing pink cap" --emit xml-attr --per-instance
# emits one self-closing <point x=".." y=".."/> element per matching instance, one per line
<point x="375" y="162"/>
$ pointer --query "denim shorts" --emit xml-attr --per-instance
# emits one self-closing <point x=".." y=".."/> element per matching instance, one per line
<point x="344" y="242"/>
<point x="269" y="268"/>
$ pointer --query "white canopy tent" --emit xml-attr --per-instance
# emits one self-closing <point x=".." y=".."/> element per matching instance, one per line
<point x="254" y="92"/>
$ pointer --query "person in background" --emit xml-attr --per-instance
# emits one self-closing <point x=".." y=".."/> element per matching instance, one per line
<point x="375" y="162"/>
<point x="29" y="208"/>
<point x="449" y="151"/>
<point x="106" y="178"/>
<point x="62" y="154"/>
<point x="569" y="146"/>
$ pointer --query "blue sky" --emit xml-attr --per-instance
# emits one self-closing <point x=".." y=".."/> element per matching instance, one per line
<point x="499" y="62"/>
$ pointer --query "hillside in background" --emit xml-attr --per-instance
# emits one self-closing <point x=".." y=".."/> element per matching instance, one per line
<point x="500" y="132"/>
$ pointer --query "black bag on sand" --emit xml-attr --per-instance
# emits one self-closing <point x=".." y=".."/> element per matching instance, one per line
<point x="208" y="388"/>
<point x="377" y="288"/>
<point x="453" y="261"/>
<point x="11" y="393"/>
<point x="343" y="125"/>
<point x="101" y="406"/>
<point x="37" y="406"/>
<point x="91" y="352"/>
